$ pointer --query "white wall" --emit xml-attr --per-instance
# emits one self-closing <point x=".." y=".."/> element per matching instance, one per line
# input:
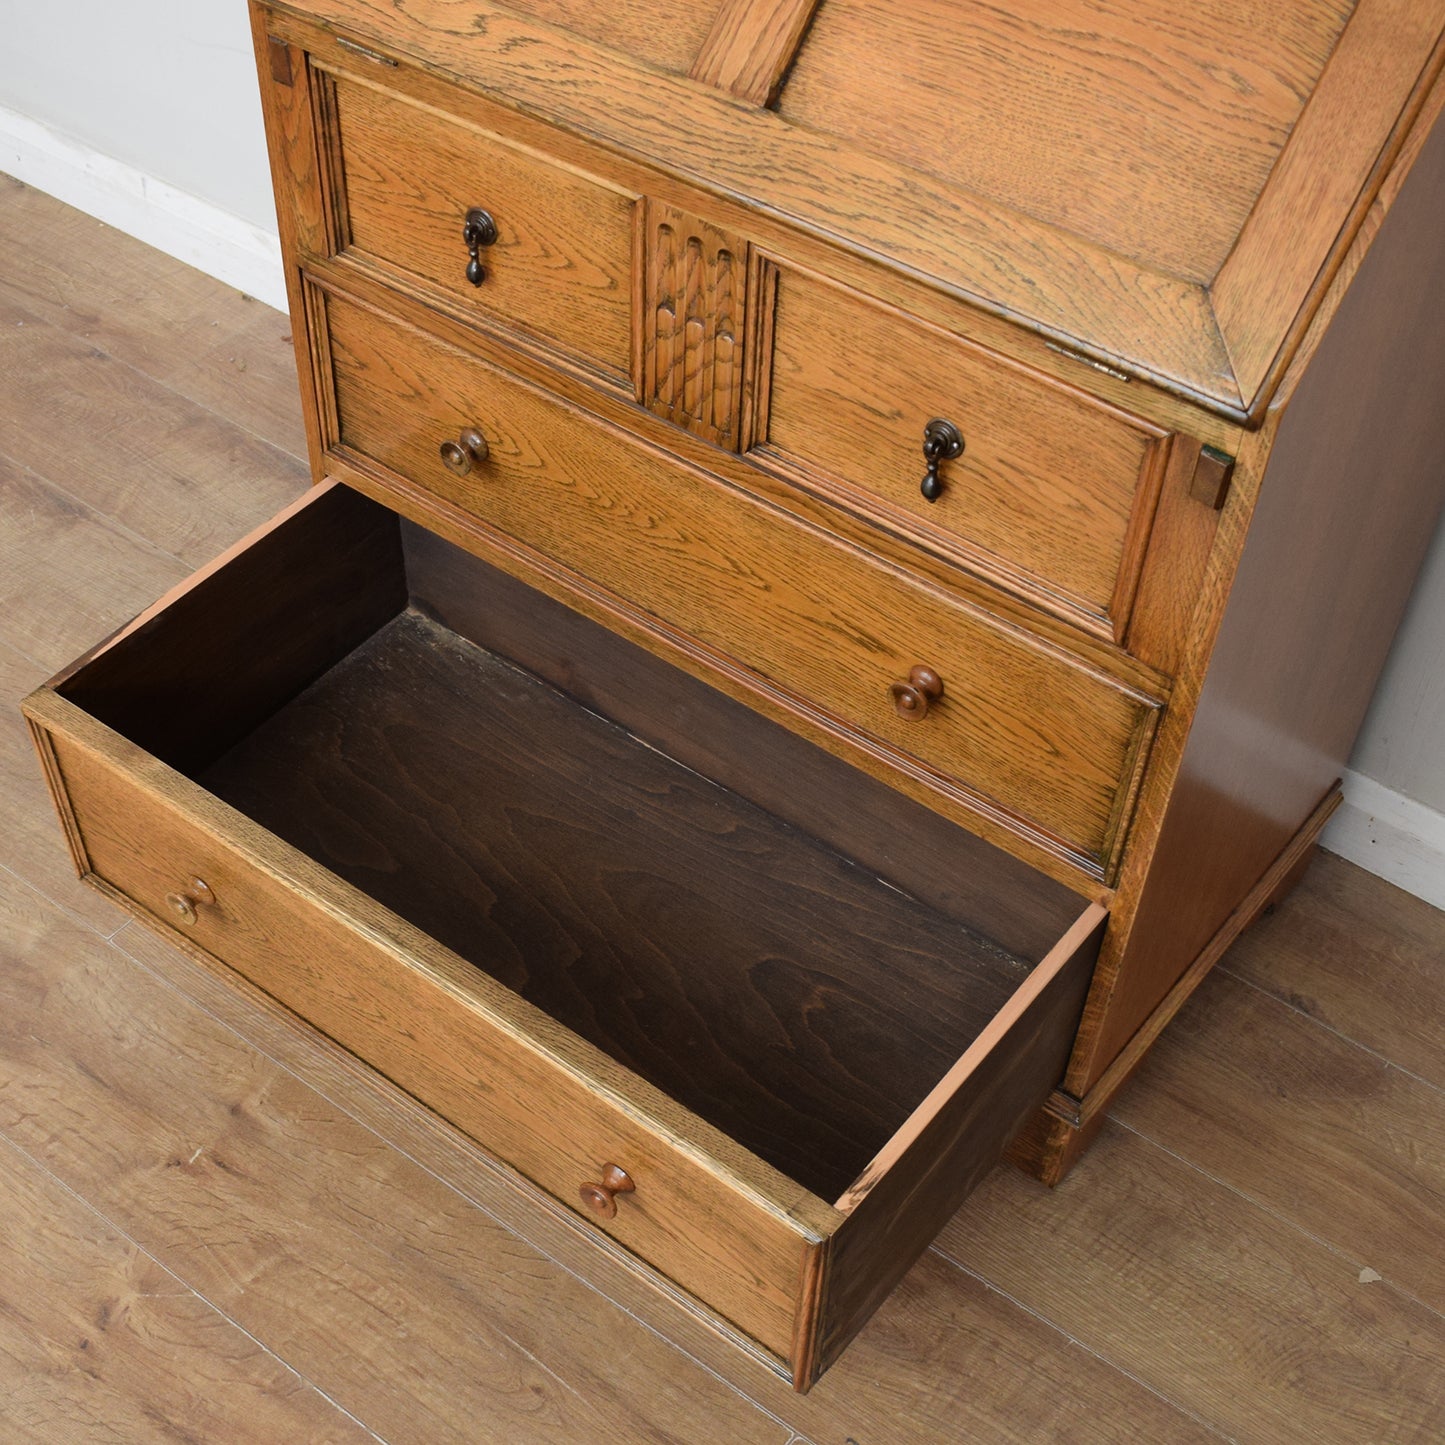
<point x="166" y="86"/>
<point x="145" y="113"/>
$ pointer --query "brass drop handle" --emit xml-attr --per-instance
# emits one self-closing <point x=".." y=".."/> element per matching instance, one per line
<point x="480" y="230"/>
<point x="911" y="699"/>
<point x="469" y="450"/>
<point x="942" y="442"/>
<point x="602" y="1198"/>
<point x="184" y="904"/>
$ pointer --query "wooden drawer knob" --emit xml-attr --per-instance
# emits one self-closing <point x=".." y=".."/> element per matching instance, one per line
<point x="479" y="230"/>
<point x="196" y="895"/>
<point x="911" y="698"/>
<point x="602" y="1198"/>
<point x="469" y="450"/>
<point x="942" y="442"/>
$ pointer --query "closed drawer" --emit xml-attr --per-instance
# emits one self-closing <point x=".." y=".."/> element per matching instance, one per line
<point x="1021" y="728"/>
<point x="576" y="950"/>
<point x="559" y="267"/>
<point x="1052" y="495"/>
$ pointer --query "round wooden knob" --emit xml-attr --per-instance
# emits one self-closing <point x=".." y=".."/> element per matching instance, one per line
<point x="602" y="1198"/>
<point x="184" y="905"/>
<point x="911" y="698"/>
<point x="468" y="451"/>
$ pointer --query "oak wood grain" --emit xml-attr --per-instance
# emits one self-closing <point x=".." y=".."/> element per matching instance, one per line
<point x="1338" y="155"/>
<point x="910" y="289"/>
<point x="750" y="46"/>
<point x="667" y="33"/>
<point x="784" y="492"/>
<point x="794" y="606"/>
<point x="710" y="1215"/>
<point x="560" y="268"/>
<point x="914" y="1374"/>
<point x="404" y="1302"/>
<point x="1152" y="323"/>
<point x="1051" y="488"/>
<point x="1305" y="613"/>
<point x="1148" y="131"/>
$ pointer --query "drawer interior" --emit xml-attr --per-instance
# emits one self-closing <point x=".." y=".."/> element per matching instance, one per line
<point x="782" y="944"/>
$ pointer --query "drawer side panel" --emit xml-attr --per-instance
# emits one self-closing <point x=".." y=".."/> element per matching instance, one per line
<point x="909" y="1193"/>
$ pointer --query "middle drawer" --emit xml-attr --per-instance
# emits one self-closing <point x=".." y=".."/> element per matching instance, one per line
<point x="1020" y="728"/>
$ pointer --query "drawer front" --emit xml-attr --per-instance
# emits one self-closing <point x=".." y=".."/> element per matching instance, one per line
<point x="427" y="1029"/>
<point x="560" y="266"/>
<point x="1052" y="494"/>
<point x="1021" y="726"/>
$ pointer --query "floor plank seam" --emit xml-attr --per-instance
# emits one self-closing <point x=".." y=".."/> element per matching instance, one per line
<point x="1354" y="1262"/>
<point x="1330" y="1029"/>
<point x="41" y="1167"/>
<point x="31" y="319"/>
<point x="60" y="907"/>
<point x="117" y="943"/>
<point x="122" y="528"/>
<point x="1088" y="1349"/>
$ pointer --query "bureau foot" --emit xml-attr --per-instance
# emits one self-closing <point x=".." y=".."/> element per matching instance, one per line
<point x="1057" y="1136"/>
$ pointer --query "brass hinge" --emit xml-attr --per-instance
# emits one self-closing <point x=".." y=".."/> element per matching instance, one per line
<point x="1210" y="483"/>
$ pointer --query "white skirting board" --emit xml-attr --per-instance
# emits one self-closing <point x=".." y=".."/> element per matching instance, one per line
<point x="184" y="226"/>
<point x="1393" y="836"/>
<point x="1400" y="840"/>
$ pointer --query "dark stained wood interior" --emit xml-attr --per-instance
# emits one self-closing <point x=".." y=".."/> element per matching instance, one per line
<point x="881" y="829"/>
<point x="751" y="972"/>
<point x="196" y="672"/>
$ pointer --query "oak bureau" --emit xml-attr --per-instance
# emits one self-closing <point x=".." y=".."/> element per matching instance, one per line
<point x="852" y="542"/>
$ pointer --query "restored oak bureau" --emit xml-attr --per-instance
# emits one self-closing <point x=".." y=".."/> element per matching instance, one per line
<point x="851" y="544"/>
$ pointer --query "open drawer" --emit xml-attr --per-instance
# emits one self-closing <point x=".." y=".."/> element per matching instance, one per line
<point x="758" y="1018"/>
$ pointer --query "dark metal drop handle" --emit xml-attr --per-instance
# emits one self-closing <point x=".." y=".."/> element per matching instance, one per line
<point x="469" y="450"/>
<point x="911" y="699"/>
<point x="480" y="230"/>
<point x="942" y="442"/>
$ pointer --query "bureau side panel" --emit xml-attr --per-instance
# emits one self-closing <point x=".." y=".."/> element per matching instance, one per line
<point x="1346" y="510"/>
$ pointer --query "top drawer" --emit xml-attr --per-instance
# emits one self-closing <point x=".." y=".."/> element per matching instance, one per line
<point x="559" y="269"/>
<point x="1053" y="492"/>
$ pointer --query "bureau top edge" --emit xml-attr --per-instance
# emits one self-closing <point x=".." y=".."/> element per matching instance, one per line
<point x="1165" y="197"/>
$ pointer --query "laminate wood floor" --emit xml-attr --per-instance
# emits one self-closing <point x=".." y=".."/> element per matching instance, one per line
<point x="214" y="1228"/>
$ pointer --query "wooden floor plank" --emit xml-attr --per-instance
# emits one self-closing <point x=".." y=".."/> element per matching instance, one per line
<point x="210" y="343"/>
<point x="1362" y="957"/>
<point x="1323" y="1132"/>
<point x="173" y="472"/>
<point x="1191" y="1288"/>
<point x="947" y="1358"/>
<point x="69" y="576"/>
<point x="405" y="1303"/>
<point x="31" y="843"/>
<point x="98" y="1342"/>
